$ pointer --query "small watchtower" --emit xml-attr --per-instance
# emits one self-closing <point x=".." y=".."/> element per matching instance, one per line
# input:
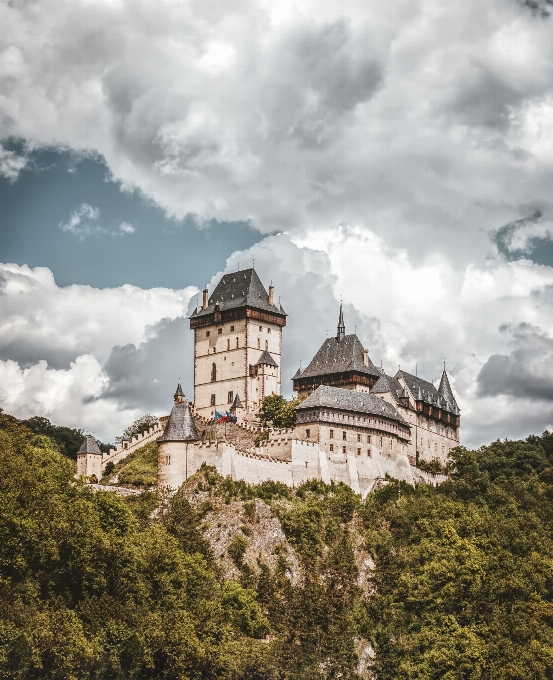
<point x="89" y="459"/>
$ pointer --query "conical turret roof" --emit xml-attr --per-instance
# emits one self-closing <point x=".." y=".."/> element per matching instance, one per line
<point x="237" y="403"/>
<point x="180" y="426"/>
<point x="445" y="390"/>
<point x="179" y="392"/>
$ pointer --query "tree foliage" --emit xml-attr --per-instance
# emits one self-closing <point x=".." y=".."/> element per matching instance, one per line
<point x="279" y="412"/>
<point x="139" y="426"/>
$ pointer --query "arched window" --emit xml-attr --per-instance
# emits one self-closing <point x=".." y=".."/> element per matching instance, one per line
<point x="213" y="373"/>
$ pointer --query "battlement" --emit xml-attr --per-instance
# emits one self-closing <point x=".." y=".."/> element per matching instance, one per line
<point x="130" y="446"/>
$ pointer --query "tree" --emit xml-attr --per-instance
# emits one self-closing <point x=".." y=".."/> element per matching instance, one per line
<point x="276" y="410"/>
<point x="139" y="426"/>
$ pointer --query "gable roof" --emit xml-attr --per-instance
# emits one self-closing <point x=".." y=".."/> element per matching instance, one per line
<point x="387" y="384"/>
<point x="266" y="358"/>
<point x="180" y="426"/>
<point x="239" y="289"/>
<point x="89" y="445"/>
<point x="350" y="400"/>
<point x="423" y="390"/>
<point x="339" y="356"/>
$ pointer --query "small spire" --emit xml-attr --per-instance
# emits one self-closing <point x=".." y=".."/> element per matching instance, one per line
<point x="179" y="394"/>
<point x="341" y="327"/>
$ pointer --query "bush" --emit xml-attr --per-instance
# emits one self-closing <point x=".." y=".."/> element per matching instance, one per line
<point x="237" y="550"/>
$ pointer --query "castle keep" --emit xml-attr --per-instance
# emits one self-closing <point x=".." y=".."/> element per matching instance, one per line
<point x="356" y="424"/>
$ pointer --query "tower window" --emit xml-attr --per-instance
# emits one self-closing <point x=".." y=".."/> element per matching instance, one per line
<point x="268" y="330"/>
<point x="331" y="448"/>
<point x="258" y="343"/>
<point x="343" y="449"/>
<point x="344" y="435"/>
<point x="220" y="331"/>
<point x="380" y="441"/>
<point x="308" y="433"/>
<point x="213" y="372"/>
<point x="369" y="438"/>
<point x="358" y="452"/>
<point x="212" y="400"/>
<point x="207" y="334"/>
<point x="260" y="329"/>
<point x="228" y="343"/>
<point x="236" y="343"/>
<point x="232" y="329"/>
<point x="358" y="437"/>
<point x="332" y="434"/>
<point x="266" y="345"/>
<point x="230" y="397"/>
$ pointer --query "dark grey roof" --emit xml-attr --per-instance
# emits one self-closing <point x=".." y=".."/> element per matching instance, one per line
<point x="388" y="384"/>
<point x="266" y="358"/>
<point x="422" y="389"/>
<point x="298" y="373"/>
<point x="237" y="403"/>
<point x="339" y="357"/>
<point x="349" y="400"/>
<point x="240" y="289"/>
<point x="445" y="390"/>
<point x="180" y="426"/>
<point x="179" y="392"/>
<point x="89" y="445"/>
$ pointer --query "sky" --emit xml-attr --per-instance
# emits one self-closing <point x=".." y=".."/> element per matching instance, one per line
<point x="394" y="155"/>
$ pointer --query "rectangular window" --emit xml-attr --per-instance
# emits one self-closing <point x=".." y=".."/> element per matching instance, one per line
<point x="207" y="334"/>
<point x="167" y="460"/>
<point x="236" y="343"/>
<point x="344" y="435"/>
<point x="380" y="441"/>
<point x="358" y="437"/>
<point x="230" y="397"/>
<point x="369" y="438"/>
<point x="228" y="343"/>
<point x="308" y="433"/>
<point x="331" y="434"/>
<point x="331" y="448"/>
<point x="358" y="452"/>
<point x="343" y="449"/>
<point x="268" y="330"/>
<point x="220" y="331"/>
<point x="212" y="400"/>
<point x="232" y="329"/>
<point x="260" y="328"/>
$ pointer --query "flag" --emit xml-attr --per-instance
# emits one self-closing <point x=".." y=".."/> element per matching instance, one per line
<point x="222" y="417"/>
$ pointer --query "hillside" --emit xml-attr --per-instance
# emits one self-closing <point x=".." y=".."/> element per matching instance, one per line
<point x="226" y="580"/>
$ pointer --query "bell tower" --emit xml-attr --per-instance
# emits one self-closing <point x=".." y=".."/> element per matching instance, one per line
<point x="237" y="345"/>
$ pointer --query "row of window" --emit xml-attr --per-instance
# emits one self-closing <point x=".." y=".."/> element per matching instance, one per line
<point x="359" y="452"/>
<point x="230" y="398"/>
<point x="220" y="331"/>
<point x="345" y="436"/>
<point x="238" y="344"/>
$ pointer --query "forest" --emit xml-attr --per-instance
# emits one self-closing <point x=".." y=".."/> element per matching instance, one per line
<point x="412" y="583"/>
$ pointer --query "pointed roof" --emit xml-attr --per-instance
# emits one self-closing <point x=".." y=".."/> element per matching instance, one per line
<point x="179" y="392"/>
<point x="341" y="331"/>
<point x="349" y="400"/>
<point x="388" y="384"/>
<point x="180" y="426"/>
<point x="237" y="403"/>
<point x="239" y="289"/>
<point x="266" y="358"/>
<point x="89" y="445"/>
<point x="422" y="390"/>
<point x="298" y="373"/>
<point x="445" y="390"/>
<point x="339" y="356"/>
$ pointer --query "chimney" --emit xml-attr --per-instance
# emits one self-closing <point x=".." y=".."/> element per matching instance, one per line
<point x="271" y="295"/>
<point x="204" y="303"/>
<point x="366" y="357"/>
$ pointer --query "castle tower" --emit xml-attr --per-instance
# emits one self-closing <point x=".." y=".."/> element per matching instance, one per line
<point x="341" y="361"/>
<point x="89" y="459"/>
<point x="172" y="453"/>
<point x="237" y="344"/>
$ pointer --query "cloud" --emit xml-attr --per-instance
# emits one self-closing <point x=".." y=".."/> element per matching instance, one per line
<point x="406" y="120"/>
<point x="521" y="237"/>
<point x="126" y="228"/>
<point x="11" y="164"/>
<point x="83" y="222"/>
<point x="524" y="373"/>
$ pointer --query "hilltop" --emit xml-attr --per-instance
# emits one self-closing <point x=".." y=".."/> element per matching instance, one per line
<point x="229" y="580"/>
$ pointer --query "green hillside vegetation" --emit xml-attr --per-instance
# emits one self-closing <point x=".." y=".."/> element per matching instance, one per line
<point x="95" y="586"/>
<point x="138" y="469"/>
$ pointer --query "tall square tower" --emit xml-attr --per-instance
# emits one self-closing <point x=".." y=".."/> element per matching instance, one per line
<point x="237" y="345"/>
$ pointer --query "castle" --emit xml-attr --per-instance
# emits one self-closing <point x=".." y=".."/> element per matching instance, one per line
<point x="356" y="424"/>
